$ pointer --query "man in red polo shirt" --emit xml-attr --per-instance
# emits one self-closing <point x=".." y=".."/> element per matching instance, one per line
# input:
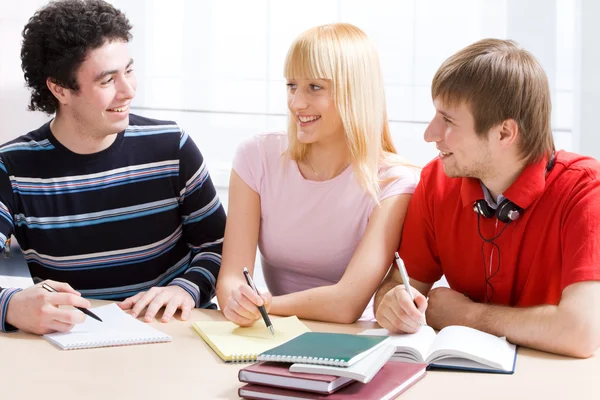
<point x="512" y="224"/>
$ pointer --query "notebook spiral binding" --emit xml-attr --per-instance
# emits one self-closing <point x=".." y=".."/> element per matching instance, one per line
<point x="304" y="360"/>
<point x="244" y="358"/>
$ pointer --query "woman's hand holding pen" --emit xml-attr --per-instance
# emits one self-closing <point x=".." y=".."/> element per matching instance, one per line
<point x="35" y="310"/>
<point x="242" y="305"/>
<point x="398" y="313"/>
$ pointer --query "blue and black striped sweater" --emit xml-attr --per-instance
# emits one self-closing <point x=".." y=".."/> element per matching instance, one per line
<point x="142" y="213"/>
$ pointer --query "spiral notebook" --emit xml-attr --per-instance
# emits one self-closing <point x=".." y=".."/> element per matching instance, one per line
<point x="236" y="344"/>
<point x="116" y="329"/>
<point x="337" y="349"/>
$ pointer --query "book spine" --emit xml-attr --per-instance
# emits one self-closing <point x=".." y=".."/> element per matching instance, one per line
<point x="304" y="360"/>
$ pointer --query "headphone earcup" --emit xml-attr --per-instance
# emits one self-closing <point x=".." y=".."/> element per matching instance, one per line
<point x="508" y="211"/>
<point x="482" y="208"/>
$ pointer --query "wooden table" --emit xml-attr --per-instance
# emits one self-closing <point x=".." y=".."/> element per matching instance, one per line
<point x="186" y="368"/>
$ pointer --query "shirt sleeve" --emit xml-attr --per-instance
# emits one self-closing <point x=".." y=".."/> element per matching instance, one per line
<point x="247" y="163"/>
<point x="203" y="219"/>
<point x="398" y="180"/>
<point x="580" y="235"/>
<point x="418" y="248"/>
<point x="6" y="229"/>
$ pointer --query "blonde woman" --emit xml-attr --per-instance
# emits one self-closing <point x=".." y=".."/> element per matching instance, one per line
<point x="325" y="202"/>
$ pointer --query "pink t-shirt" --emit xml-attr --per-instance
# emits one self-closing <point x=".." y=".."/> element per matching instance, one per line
<point x="309" y="230"/>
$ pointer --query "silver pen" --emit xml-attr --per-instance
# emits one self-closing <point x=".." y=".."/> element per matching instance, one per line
<point x="404" y="275"/>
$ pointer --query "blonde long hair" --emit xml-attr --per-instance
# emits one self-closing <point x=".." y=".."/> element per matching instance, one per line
<point x="344" y="54"/>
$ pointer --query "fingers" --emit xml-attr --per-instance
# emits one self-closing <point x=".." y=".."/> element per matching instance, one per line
<point x="245" y="306"/>
<point x="406" y="304"/>
<point x="67" y="299"/>
<point x="67" y="317"/>
<point x="251" y="295"/>
<point x="62" y="287"/>
<point x="158" y="302"/>
<point x="395" y="320"/>
<point x="398" y="313"/>
<point x="58" y="326"/>
<point x="142" y="302"/>
<point x="267" y="299"/>
<point x="129" y="302"/>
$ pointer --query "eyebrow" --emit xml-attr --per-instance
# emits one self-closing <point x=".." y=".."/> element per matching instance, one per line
<point x="103" y="74"/>
<point x="447" y="115"/>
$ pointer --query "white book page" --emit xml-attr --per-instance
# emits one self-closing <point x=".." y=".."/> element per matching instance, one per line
<point x="117" y="328"/>
<point x="469" y="343"/>
<point x="409" y="346"/>
<point x="363" y="371"/>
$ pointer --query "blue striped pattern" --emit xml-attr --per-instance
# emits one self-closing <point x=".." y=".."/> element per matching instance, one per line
<point x="107" y="259"/>
<point x="98" y="181"/>
<point x="102" y="217"/>
<point x="5" y="296"/>
<point x="28" y="146"/>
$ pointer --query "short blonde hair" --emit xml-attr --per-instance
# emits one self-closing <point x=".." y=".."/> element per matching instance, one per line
<point x="344" y="54"/>
<point x="499" y="80"/>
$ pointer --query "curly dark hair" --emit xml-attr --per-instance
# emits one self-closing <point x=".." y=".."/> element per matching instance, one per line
<point x="56" y="40"/>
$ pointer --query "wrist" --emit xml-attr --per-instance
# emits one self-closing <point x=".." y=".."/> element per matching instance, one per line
<point x="474" y="314"/>
<point x="7" y="320"/>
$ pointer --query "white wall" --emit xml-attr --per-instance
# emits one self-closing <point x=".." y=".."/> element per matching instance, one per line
<point x="215" y="66"/>
<point x="15" y="119"/>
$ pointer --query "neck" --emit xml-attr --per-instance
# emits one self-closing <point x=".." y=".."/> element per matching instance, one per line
<point x="506" y="173"/>
<point x="328" y="159"/>
<point x="74" y="136"/>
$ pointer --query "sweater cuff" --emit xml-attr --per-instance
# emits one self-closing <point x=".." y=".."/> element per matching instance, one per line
<point x="5" y="296"/>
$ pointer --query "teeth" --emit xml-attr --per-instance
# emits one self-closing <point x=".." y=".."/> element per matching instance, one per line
<point x="118" y="109"/>
<point x="445" y="153"/>
<point x="308" y="119"/>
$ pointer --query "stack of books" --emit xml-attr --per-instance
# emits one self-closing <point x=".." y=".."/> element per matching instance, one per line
<point x="329" y="366"/>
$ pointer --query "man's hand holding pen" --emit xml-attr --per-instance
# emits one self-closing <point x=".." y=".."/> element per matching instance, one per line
<point x="398" y="313"/>
<point x="35" y="310"/>
<point x="402" y="309"/>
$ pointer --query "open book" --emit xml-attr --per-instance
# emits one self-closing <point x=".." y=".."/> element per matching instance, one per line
<point x="454" y="347"/>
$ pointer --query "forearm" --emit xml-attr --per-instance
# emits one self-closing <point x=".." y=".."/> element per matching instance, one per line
<point x="324" y="303"/>
<point x="543" y="327"/>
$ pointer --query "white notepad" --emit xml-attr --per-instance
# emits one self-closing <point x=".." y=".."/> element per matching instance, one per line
<point x="116" y="329"/>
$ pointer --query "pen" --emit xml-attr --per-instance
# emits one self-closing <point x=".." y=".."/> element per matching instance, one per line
<point x="52" y="290"/>
<point x="262" y="310"/>
<point x="404" y="276"/>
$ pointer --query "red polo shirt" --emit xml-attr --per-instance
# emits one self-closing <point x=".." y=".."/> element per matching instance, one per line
<point x="554" y="244"/>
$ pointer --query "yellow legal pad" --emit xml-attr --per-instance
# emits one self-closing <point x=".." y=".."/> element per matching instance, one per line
<point x="237" y="344"/>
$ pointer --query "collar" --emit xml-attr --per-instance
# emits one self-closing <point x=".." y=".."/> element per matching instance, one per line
<point x="493" y="203"/>
<point x="523" y="192"/>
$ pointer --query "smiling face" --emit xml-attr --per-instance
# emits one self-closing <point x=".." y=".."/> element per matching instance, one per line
<point x="463" y="152"/>
<point x="311" y="106"/>
<point x="107" y="85"/>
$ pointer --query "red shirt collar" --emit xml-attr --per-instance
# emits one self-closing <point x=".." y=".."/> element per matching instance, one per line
<point x="524" y="191"/>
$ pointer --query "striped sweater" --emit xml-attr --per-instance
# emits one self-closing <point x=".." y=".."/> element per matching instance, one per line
<point x="141" y="213"/>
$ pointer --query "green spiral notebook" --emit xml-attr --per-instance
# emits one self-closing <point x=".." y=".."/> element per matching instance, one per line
<point x="339" y="349"/>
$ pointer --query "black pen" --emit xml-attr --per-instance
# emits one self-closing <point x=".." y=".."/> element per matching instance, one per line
<point x="262" y="309"/>
<point x="52" y="290"/>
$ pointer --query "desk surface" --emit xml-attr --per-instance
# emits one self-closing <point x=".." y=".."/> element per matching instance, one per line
<point x="30" y="367"/>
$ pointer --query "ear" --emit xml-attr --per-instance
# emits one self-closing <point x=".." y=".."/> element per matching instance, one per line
<point x="509" y="132"/>
<point x="62" y="94"/>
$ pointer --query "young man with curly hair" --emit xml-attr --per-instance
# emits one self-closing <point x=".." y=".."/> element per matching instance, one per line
<point x="105" y="204"/>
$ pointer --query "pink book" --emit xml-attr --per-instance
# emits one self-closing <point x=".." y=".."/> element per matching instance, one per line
<point x="393" y="379"/>
<point x="277" y="374"/>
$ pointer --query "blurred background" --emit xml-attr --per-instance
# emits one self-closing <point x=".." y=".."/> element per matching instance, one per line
<point x="216" y="66"/>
